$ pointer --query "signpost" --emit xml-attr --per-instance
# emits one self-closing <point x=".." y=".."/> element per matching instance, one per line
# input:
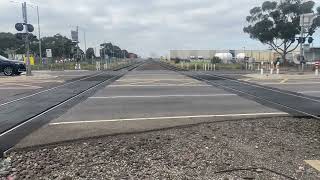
<point x="49" y="53"/>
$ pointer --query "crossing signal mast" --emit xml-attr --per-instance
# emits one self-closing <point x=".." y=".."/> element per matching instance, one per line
<point x="26" y="34"/>
<point x="306" y="21"/>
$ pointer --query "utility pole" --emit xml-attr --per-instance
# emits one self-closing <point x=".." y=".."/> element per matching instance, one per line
<point x="302" y="36"/>
<point x="85" y="45"/>
<point x="25" y="20"/>
<point x="77" y="45"/>
<point x="40" y="49"/>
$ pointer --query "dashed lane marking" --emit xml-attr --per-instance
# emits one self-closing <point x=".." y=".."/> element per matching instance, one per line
<point x="314" y="163"/>
<point x="162" y="96"/>
<point x="173" y="117"/>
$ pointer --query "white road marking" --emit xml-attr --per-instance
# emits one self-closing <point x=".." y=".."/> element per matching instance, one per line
<point x="291" y="83"/>
<point x="158" y="79"/>
<point x="152" y="85"/>
<point x="162" y="96"/>
<point x="284" y="81"/>
<point x="309" y="92"/>
<point x="274" y="90"/>
<point x="58" y="105"/>
<point x="3" y="104"/>
<point x="173" y="117"/>
<point x="17" y="88"/>
<point x="311" y="115"/>
<point x="72" y="75"/>
<point x="314" y="163"/>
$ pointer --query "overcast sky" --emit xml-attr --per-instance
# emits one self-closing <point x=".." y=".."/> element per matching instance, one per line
<point x="144" y="26"/>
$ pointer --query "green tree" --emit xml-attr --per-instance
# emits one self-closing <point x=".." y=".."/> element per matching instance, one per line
<point x="125" y="54"/>
<point x="61" y="46"/>
<point x="216" y="60"/>
<point x="9" y="42"/>
<point x="116" y="51"/>
<point x="107" y="49"/>
<point x="90" y="53"/>
<point x="278" y="23"/>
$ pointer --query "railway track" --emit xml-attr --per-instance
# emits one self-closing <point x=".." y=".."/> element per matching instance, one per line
<point x="21" y="116"/>
<point x="293" y="103"/>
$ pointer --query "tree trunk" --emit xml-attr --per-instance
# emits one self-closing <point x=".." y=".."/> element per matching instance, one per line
<point x="284" y="54"/>
<point x="284" y="57"/>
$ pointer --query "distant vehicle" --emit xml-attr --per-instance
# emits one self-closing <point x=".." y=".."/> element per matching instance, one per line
<point x="11" y="67"/>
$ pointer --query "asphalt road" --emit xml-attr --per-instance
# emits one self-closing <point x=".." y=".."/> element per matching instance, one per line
<point x="309" y="86"/>
<point x="241" y="130"/>
<point x="147" y="98"/>
<point x="19" y="86"/>
<point x="25" y="114"/>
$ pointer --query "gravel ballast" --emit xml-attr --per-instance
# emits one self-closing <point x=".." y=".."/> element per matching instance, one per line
<point x="269" y="148"/>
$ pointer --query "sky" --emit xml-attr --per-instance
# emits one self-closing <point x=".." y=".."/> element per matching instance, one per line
<point x="146" y="27"/>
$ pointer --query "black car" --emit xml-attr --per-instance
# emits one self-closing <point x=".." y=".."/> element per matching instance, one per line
<point x="11" y="67"/>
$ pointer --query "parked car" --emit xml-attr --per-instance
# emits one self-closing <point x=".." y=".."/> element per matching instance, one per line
<point x="11" y="67"/>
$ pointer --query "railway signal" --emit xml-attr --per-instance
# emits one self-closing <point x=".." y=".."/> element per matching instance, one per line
<point x="26" y="35"/>
<point x="310" y="40"/>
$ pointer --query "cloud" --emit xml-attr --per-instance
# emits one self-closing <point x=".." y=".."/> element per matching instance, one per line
<point x="143" y="26"/>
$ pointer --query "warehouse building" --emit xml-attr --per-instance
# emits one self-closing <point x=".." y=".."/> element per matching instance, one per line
<point x="233" y="56"/>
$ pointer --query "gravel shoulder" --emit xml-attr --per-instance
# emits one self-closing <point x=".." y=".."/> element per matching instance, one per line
<point x="268" y="148"/>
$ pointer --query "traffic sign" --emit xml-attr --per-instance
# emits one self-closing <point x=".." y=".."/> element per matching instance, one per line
<point x="49" y="53"/>
<point x="306" y="20"/>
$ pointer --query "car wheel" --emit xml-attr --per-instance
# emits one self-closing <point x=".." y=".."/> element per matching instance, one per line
<point x="8" y="71"/>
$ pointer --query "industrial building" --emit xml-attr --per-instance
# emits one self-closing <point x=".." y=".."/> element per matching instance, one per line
<point x="231" y="56"/>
